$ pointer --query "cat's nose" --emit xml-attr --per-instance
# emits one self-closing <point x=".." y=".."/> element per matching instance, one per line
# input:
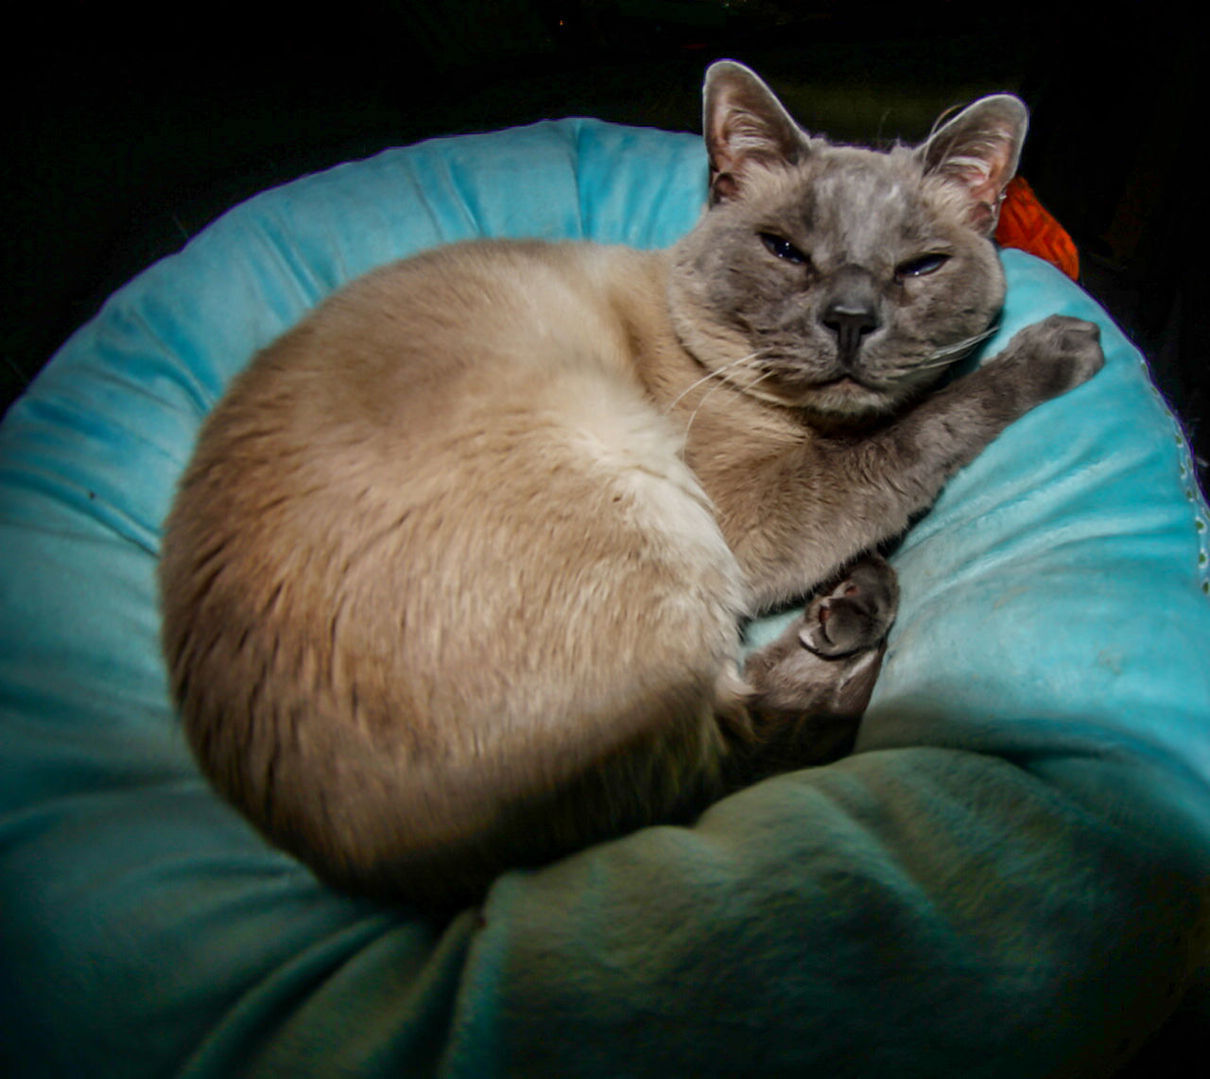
<point x="851" y="311"/>
<point x="850" y="324"/>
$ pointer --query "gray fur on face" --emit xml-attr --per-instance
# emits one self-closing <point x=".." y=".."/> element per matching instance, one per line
<point x="848" y="280"/>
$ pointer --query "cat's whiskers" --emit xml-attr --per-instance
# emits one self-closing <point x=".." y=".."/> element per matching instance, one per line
<point x="947" y="355"/>
<point x="706" y="396"/>
<point x="718" y="372"/>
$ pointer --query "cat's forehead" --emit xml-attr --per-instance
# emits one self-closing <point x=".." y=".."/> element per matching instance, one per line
<point x="861" y="198"/>
<point x="840" y="176"/>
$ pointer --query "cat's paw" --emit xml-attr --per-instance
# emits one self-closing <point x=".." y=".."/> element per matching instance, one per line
<point x="1051" y="357"/>
<point x="827" y="660"/>
<point x="855" y="613"/>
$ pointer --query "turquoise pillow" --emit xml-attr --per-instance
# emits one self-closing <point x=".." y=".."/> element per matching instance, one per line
<point x="1008" y="878"/>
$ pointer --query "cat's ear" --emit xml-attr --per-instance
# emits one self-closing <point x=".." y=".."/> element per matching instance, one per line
<point x="746" y="127"/>
<point x="977" y="151"/>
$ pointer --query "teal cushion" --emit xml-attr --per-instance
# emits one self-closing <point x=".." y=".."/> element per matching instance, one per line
<point x="1008" y="877"/>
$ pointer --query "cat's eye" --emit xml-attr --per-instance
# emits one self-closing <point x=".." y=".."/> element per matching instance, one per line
<point x="783" y="249"/>
<point x="921" y="266"/>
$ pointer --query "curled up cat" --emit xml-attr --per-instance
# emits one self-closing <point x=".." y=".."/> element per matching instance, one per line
<point x="456" y="577"/>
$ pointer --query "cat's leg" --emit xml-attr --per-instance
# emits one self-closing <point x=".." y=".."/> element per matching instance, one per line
<point x="810" y="686"/>
<point x="850" y="491"/>
<point x="903" y="467"/>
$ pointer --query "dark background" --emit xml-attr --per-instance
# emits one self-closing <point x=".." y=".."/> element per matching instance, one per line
<point x="135" y="127"/>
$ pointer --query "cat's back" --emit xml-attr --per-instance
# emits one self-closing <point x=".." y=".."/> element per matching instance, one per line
<point x="454" y="371"/>
<point x="431" y="524"/>
<point x="438" y="324"/>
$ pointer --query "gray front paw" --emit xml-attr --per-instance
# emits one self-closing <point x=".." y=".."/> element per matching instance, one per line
<point x="1051" y="357"/>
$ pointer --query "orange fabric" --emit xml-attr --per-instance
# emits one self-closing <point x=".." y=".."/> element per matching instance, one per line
<point x="1026" y="224"/>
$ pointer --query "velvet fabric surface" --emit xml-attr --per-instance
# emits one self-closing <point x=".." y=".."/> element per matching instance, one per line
<point x="1008" y="878"/>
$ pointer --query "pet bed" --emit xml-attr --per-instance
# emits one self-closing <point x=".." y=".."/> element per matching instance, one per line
<point x="1007" y="878"/>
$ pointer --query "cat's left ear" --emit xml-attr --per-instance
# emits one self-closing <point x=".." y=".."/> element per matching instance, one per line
<point x="977" y="151"/>
<point x="746" y="128"/>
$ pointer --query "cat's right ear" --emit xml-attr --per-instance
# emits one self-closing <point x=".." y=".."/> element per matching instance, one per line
<point x="746" y="127"/>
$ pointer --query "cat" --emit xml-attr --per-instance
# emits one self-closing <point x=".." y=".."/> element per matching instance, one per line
<point x="454" y="581"/>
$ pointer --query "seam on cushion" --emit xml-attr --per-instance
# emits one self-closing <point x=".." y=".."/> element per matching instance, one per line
<point x="417" y="196"/>
<point x="468" y="202"/>
<point x="281" y="240"/>
<point x="73" y="496"/>
<point x="1187" y="474"/>
<point x="579" y="133"/>
<point x="87" y="496"/>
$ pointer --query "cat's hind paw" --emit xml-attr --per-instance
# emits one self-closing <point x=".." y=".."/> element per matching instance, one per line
<point x="827" y="660"/>
<point x="855" y="613"/>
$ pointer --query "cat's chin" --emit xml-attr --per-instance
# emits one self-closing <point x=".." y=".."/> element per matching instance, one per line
<point x="844" y="399"/>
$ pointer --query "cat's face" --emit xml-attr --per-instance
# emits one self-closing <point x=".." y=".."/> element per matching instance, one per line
<point x="838" y="280"/>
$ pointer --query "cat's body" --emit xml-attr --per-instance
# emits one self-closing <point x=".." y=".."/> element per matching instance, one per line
<point x="454" y="581"/>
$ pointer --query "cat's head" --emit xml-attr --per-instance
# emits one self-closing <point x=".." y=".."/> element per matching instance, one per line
<point x="837" y="279"/>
